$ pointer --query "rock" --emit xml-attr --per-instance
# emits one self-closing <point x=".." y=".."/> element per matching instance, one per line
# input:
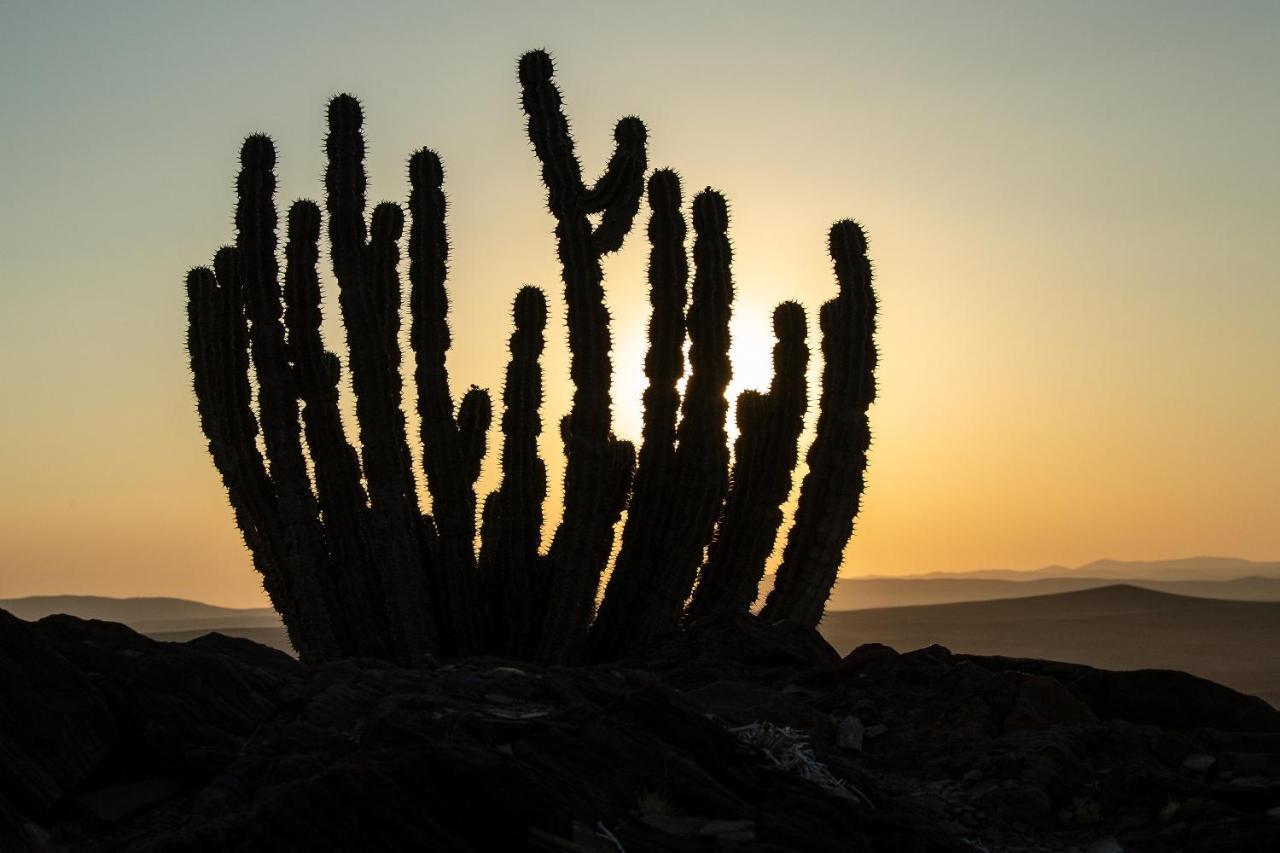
<point x="1175" y="700"/>
<point x="1042" y="702"/>
<point x="55" y="726"/>
<point x="737" y="736"/>
<point x="849" y="733"/>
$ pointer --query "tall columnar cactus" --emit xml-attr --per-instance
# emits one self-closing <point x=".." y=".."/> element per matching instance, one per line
<point x="584" y="538"/>
<point x="832" y="489"/>
<point x="448" y="443"/>
<point x="675" y="514"/>
<point x="356" y="596"/>
<point x="509" y="561"/>
<point x="217" y="342"/>
<point x="367" y="278"/>
<point x="765" y="453"/>
<point x="345" y="552"/>
<point x="258" y="271"/>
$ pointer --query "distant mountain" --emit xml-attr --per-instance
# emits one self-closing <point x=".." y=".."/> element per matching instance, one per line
<point x="1116" y="627"/>
<point x="871" y="593"/>
<point x="145" y="615"/>
<point x="1183" y="569"/>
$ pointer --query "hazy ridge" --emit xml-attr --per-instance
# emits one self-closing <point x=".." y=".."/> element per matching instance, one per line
<point x="1115" y="627"/>
<point x="1192" y="617"/>
<point x="1205" y="568"/>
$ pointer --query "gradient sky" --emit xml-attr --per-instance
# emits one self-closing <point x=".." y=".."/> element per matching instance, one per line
<point x="1073" y="212"/>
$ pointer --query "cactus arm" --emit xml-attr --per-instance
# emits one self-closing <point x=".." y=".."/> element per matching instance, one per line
<point x="217" y="341"/>
<point x="450" y="472"/>
<point x="367" y="277"/>
<point x="255" y="221"/>
<point x="353" y="586"/>
<point x="514" y="511"/>
<point x="831" y="492"/>
<point x="592" y="454"/>
<point x="765" y="454"/>
<point x="625" y="168"/>
<point x="702" y="453"/>
<point x="619" y="191"/>
<point x="664" y="364"/>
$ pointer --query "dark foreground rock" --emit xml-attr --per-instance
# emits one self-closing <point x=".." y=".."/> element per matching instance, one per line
<point x="732" y="736"/>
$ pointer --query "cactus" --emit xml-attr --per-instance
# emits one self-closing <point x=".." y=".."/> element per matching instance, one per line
<point x="765" y="453"/>
<point x="448" y="443"/>
<point x="356" y="596"/>
<point x="345" y="552"/>
<point x="584" y="538"/>
<point x="653" y="576"/>
<point x="832" y="489"/>
<point x="513" y="514"/>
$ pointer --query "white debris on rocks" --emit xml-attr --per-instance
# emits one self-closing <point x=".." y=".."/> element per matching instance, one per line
<point x="788" y="749"/>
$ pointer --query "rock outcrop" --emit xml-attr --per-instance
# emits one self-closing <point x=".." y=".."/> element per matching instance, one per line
<point x="730" y="736"/>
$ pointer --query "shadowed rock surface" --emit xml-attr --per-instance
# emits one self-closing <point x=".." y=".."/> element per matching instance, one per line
<point x="731" y="736"/>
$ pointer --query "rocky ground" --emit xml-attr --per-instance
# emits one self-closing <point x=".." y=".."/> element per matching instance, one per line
<point x="734" y="736"/>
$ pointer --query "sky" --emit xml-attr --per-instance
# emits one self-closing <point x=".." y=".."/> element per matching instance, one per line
<point x="1072" y="211"/>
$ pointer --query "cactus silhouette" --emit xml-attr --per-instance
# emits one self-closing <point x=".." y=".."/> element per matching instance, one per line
<point x="335" y="529"/>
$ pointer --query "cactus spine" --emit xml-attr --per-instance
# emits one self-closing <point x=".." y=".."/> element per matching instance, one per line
<point x="345" y="553"/>
<point x="832" y="489"/>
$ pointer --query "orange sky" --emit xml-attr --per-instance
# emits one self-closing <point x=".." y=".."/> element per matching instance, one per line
<point x="1079" y="296"/>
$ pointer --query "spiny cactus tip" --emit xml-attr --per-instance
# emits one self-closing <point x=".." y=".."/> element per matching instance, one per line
<point x="388" y="221"/>
<point x="847" y="240"/>
<point x="630" y="131"/>
<point x="530" y="307"/>
<point x="789" y="321"/>
<point x="344" y="109"/>
<point x="425" y="169"/>
<point x="536" y="67"/>
<point x="664" y="188"/>
<point x="710" y="211"/>
<point x="304" y="220"/>
<point x="258" y="151"/>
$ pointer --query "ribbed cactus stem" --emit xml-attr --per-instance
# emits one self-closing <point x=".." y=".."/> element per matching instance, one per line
<point x="217" y="344"/>
<point x="663" y="365"/>
<point x="513" y="526"/>
<point x="832" y="489"/>
<point x="447" y="453"/>
<point x="368" y="283"/>
<point x="765" y="454"/>
<point x="277" y="394"/>
<point x="352" y="585"/>
<point x="592" y="455"/>
<point x="651" y="601"/>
